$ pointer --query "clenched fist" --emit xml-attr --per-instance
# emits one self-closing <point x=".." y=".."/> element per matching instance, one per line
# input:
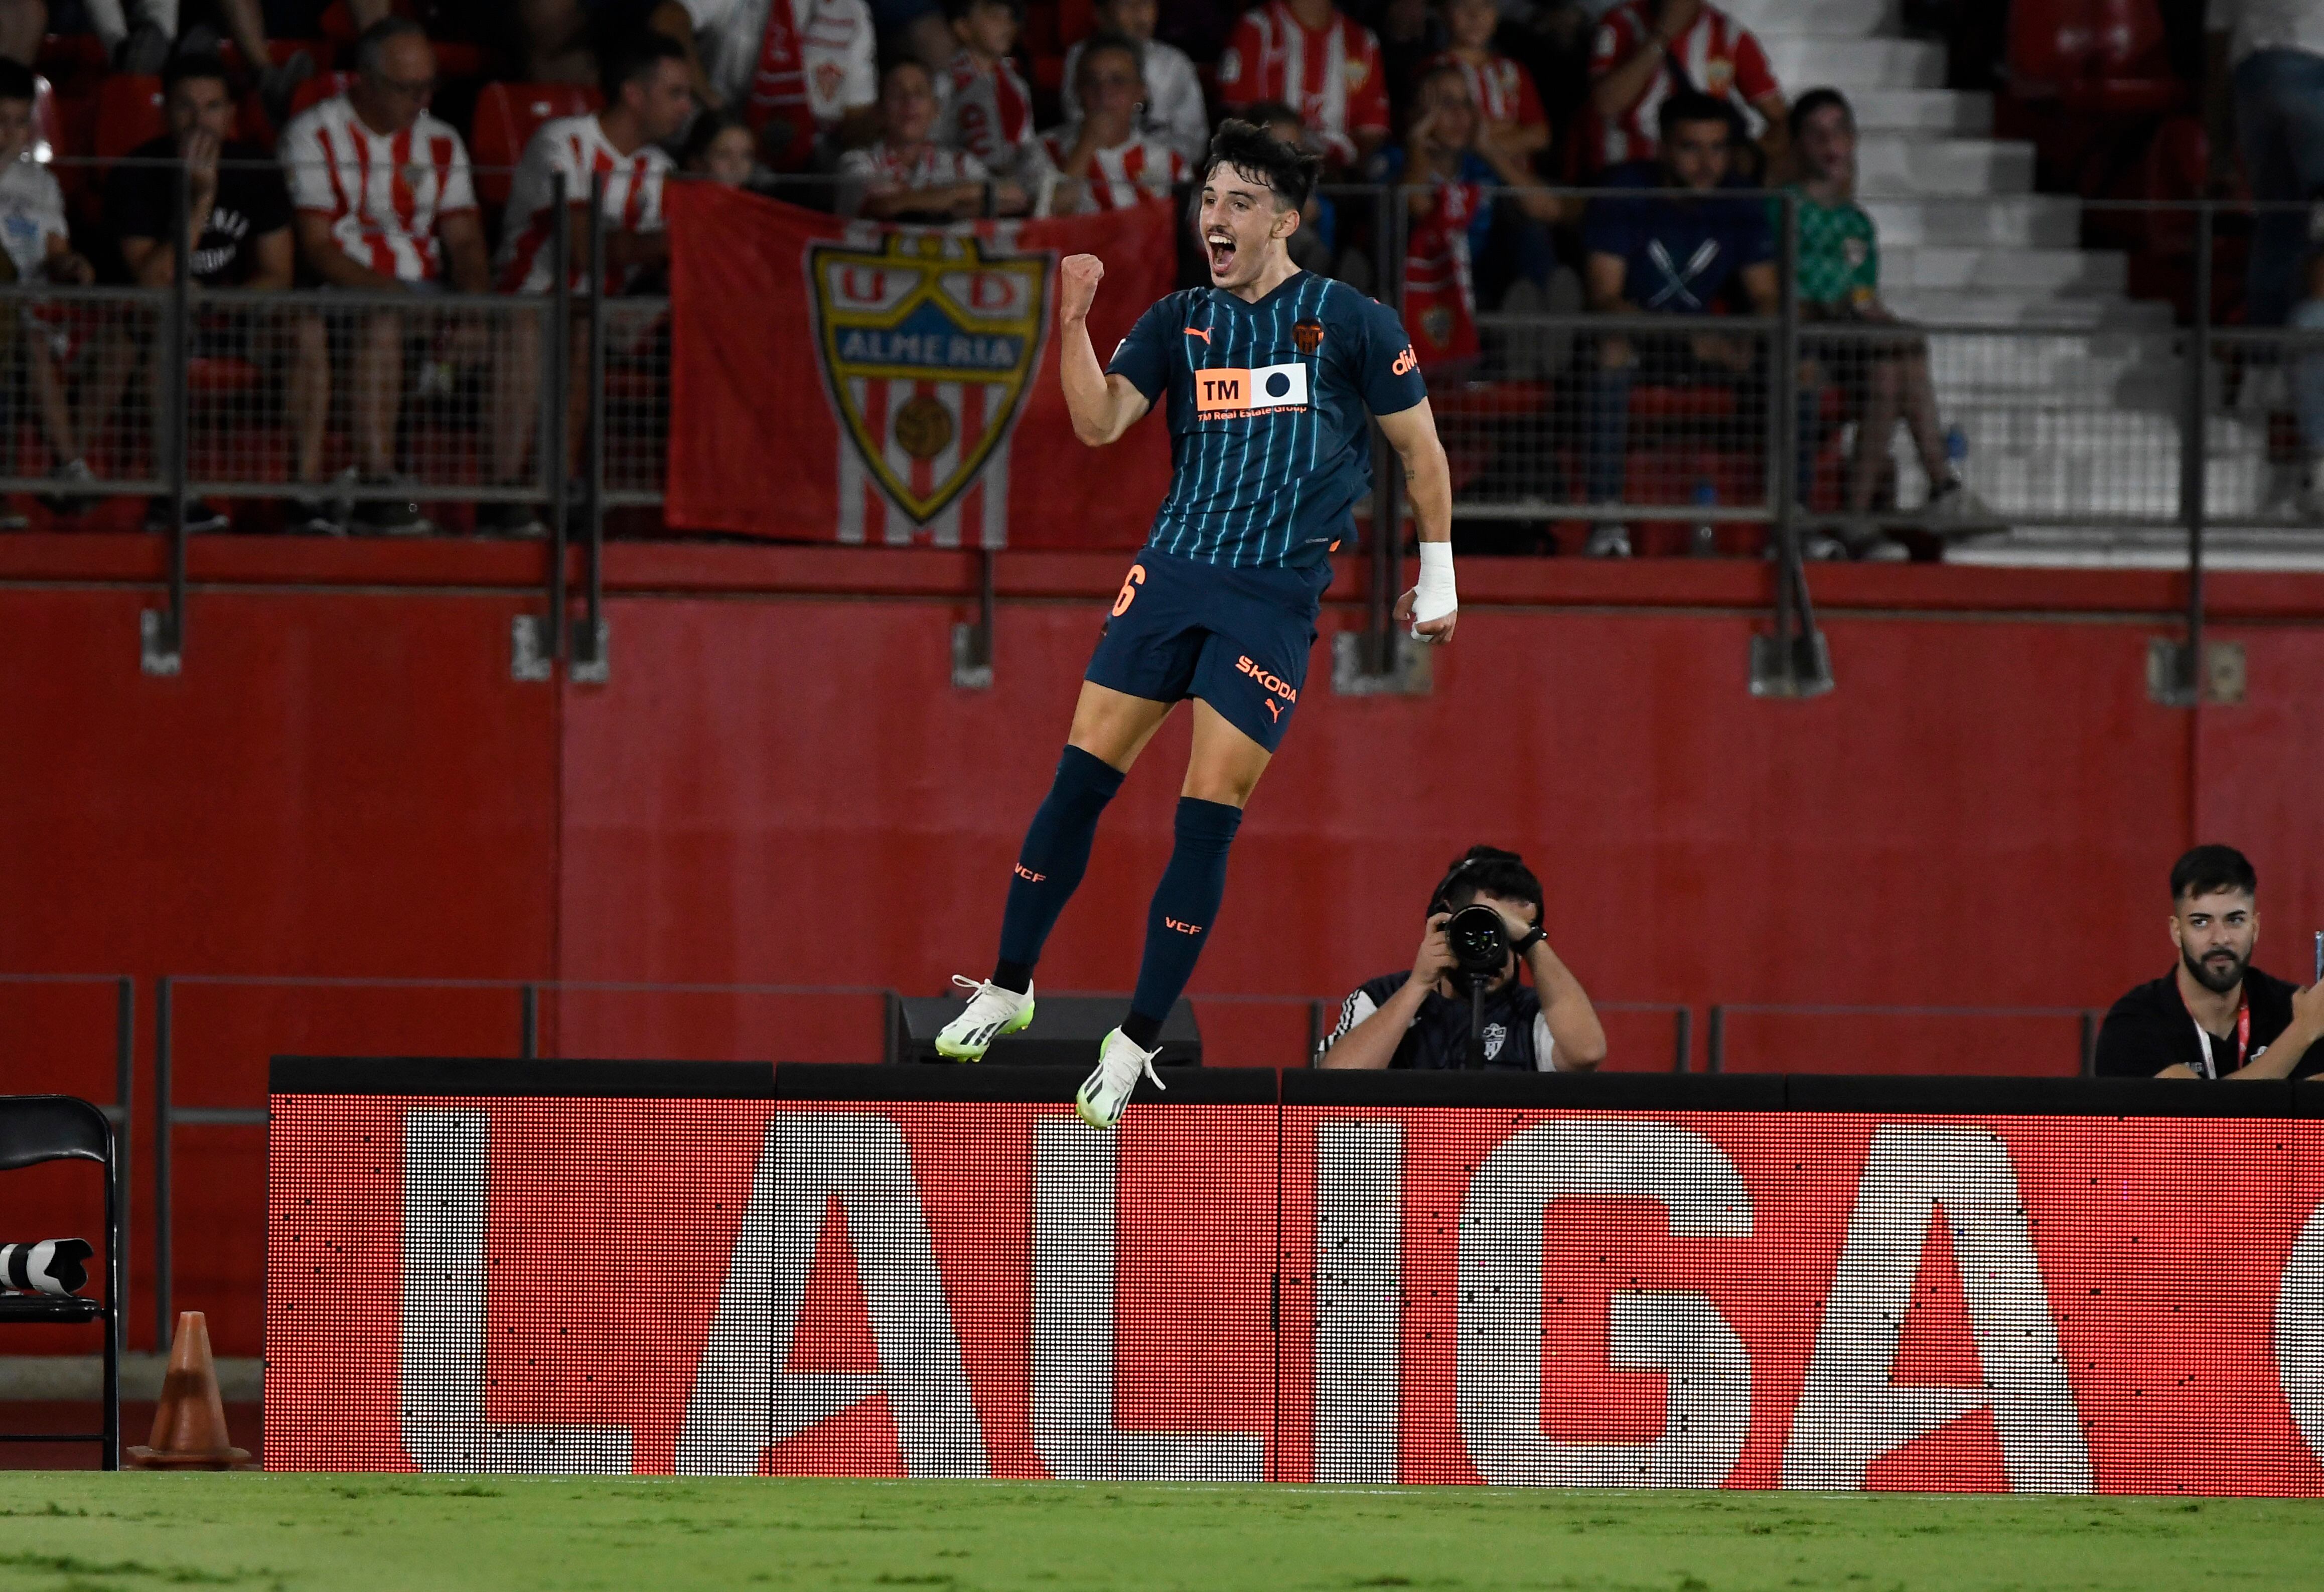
<point x="1080" y="275"/>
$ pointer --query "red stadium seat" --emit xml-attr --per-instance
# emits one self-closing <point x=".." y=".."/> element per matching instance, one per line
<point x="507" y="116"/>
<point x="128" y="113"/>
<point x="2097" y="56"/>
<point x="319" y="88"/>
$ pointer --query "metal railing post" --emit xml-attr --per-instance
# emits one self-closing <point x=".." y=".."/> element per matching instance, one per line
<point x="1795" y="661"/>
<point x="2194" y="464"/>
<point x="527" y="1007"/>
<point x="1376" y="661"/>
<point x="972" y="642"/>
<point x="161" y="1320"/>
<point x="590" y="665"/>
<point x="125" y="1094"/>
<point x="538" y="640"/>
<point x="1684" y="1025"/>
<point x="161" y="634"/>
<point x="1714" y="1040"/>
<point x="2090" y="1045"/>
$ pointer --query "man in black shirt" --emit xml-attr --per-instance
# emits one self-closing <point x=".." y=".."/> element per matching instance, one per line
<point x="238" y="221"/>
<point x="2214" y="1015"/>
<point x="1421" y="1019"/>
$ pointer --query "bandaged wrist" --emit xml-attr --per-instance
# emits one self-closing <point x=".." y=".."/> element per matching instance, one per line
<point x="1433" y="597"/>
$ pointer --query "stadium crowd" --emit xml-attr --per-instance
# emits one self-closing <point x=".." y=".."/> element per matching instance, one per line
<point x="1458" y="109"/>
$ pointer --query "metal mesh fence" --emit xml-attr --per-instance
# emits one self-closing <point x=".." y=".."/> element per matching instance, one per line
<point x="2032" y="347"/>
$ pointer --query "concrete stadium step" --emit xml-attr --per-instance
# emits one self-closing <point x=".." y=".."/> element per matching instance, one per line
<point x="1893" y="164"/>
<point x="1804" y="60"/>
<point x="2056" y="271"/>
<point x="1917" y="110"/>
<point x="2024" y="221"/>
<point x="2108" y="547"/>
<point x="2031" y="306"/>
<point x="1775" y="19"/>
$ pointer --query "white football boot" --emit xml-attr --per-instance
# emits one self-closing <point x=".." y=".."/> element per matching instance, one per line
<point x="1106" y="1092"/>
<point x="991" y="1011"/>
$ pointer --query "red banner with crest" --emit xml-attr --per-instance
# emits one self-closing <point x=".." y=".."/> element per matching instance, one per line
<point x="854" y="382"/>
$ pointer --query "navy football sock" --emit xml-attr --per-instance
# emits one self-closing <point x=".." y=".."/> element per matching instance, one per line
<point x="1185" y="903"/>
<point x="1050" y="863"/>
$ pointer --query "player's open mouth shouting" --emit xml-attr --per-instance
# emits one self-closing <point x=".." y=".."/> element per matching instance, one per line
<point x="1222" y="244"/>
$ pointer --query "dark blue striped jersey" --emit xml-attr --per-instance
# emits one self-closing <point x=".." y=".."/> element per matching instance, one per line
<point x="1270" y="448"/>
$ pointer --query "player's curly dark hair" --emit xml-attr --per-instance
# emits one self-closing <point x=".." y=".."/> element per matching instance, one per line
<point x="1289" y="173"/>
<point x="1485" y="871"/>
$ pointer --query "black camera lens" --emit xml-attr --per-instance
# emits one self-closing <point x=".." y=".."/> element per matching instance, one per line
<point x="1480" y="944"/>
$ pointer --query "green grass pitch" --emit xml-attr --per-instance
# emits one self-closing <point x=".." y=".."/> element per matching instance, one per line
<point x="82" y="1531"/>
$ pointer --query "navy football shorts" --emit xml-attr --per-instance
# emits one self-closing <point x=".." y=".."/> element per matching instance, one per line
<point x="1237" y="638"/>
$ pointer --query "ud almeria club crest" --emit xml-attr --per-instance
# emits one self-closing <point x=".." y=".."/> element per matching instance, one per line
<point x="929" y="341"/>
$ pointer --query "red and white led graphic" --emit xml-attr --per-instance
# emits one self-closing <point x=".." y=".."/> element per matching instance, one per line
<point x="1238" y="1294"/>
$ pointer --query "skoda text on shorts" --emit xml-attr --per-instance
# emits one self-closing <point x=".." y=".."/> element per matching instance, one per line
<point x="1270" y="378"/>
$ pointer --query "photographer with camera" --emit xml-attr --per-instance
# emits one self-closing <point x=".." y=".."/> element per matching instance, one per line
<point x="1463" y="1004"/>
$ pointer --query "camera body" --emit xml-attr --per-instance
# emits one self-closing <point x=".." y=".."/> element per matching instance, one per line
<point x="1480" y="944"/>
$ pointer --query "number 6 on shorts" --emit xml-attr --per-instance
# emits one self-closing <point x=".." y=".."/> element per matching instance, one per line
<point x="1130" y="585"/>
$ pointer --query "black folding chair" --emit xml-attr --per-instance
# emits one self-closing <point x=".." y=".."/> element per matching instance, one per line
<point x="37" y="1128"/>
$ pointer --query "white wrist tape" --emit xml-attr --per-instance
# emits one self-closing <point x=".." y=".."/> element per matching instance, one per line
<point x="1433" y="597"/>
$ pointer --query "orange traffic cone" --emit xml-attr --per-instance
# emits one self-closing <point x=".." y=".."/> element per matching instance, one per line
<point x="190" y="1423"/>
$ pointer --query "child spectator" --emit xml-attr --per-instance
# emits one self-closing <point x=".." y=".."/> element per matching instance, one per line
<point x="1448" y="167"/>
<point x="1105" y="161"/>
<point x="38" y="248"/>
<point x="1319" y="62"/>
<point x="803" y="74"/>
<point x="908" y="176"/>
<point x="987" y="110"/>
<point x="1174" y="112"/>
<point x="719" y="146"/>
<point x="646" y="101"/>
<point x="1501" y="89"/>
<point x="1839" y="275"/>
<point x="1648" y="50"/>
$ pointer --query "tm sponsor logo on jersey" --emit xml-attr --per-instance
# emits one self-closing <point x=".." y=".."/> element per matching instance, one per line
<point x="1227" y="392"/>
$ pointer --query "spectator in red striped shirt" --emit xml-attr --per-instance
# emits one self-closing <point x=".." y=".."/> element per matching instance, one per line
<point x="1648" y="50"/>
<point x="648" y="99"/>
<point x="1500" y="88"/>
<point x="385" y="204"/>
<point x="1105" y="161"/>
<point x="988" y="110"/>
<point x="1326" y="67"/>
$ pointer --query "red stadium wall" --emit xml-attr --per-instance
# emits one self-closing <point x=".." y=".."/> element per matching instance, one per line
<point x="779" y="787"/>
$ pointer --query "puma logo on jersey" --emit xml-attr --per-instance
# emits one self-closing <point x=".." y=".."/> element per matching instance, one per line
<point x="1184" y="928"/>
<point x="1225" y="391"/>
<point x="1198" y="332"/>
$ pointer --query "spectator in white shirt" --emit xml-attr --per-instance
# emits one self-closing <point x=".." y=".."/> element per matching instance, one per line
<point x="384" y="204"/>
<point x="1174" y="112"/>
<point x="36" y="247"/>
<point x="648" y="100"/>
<point x="1106" y="161"/>
<point x="907" y="175"/>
